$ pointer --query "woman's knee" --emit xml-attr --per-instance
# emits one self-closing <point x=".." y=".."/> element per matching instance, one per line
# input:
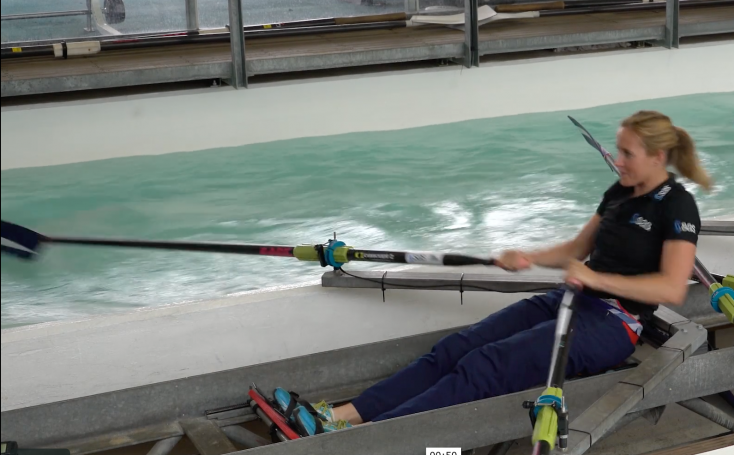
<point x="504" y="367"/>
<point x="448" y="351"/>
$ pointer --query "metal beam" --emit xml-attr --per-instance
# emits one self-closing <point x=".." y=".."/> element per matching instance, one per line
<point x="130" y="78"/>
<point x="89" y="27"/>
<point x="447" y="281"/>
<point x="207" y="437"/>
<point x="164" y="446"/>
<point x="192" y="15"/>
<point x="705" y="28"/>
<point x="238" y="78"/>
<point x="672" y="20"/>
<point x="709" y="411"/>
<point x="118" y="439"/>
<point x="244" y="437"/>
<point x="15" y="17"/>
<point x="411" y="7"/>
<point x="596" y="421"/>
<point x="716" y="227"/>
<point x="697" y="299"/>
<point x="471" y="34"/>
<point x="530" y="43"/>
<point x="356" y="58"/>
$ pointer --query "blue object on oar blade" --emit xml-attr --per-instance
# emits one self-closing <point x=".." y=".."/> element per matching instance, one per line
<point x="19" y="241"/>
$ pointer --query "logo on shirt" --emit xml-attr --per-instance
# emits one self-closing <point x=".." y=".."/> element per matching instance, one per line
<point x="640" y="221"/>
<point x="663" y="191"/>
<point x="681" y="227"/>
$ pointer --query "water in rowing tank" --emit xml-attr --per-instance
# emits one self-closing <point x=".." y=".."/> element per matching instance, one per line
<point x="476" y="187"/>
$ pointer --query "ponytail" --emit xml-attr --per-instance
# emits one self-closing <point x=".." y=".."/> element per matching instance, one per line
<point x="683" y="156"/>
<point x="657" y="132"/>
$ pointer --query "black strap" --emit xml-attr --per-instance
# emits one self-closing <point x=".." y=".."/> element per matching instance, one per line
<point x="383" y="285"/>
<point x="461" y="287"/>
<point x="322" y="256"/>
<point x="289" y="409"/>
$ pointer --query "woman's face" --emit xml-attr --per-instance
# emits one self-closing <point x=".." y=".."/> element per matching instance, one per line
<point x="634" y="163"/>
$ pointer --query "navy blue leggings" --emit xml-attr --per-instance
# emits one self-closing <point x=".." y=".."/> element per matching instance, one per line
<point x="507" y="352"/>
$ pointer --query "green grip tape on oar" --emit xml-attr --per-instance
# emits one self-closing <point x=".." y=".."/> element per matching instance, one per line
<point x="335" y="253"/>
<point x="306" y="253"/>
<point x="722" y="297"/>
<point x="546" y="424"/>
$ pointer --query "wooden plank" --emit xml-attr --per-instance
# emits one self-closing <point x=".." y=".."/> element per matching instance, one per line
<point x="706" y="445"/>
<point x="207" y="437"/>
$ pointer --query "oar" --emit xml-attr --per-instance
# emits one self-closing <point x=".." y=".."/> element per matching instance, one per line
<point x="722" y="297"/>
<point x="26" y="243"/>
<point x="549" y="413"/>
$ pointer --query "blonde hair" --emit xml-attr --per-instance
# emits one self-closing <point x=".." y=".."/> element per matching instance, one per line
<point x="657" y="132"/>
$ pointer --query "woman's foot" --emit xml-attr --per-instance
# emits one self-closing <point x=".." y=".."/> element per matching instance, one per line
<point x="303" y="418"/>
<point x="309" y="425"/>
<point x="325" y="410"/>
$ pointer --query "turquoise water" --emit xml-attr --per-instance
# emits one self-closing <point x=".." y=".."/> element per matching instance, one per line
<point x="476" y="186"/>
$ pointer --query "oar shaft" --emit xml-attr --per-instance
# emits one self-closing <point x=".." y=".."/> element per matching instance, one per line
<point x="561" y="344"/>
<point x="235" y="248"/>
<point x="300" y="252"/>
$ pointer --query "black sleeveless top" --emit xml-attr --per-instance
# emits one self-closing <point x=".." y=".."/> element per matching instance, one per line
<point x="633" y="229"/>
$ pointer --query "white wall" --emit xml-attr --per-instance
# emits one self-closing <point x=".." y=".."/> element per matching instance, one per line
<point x="218" y="117"/>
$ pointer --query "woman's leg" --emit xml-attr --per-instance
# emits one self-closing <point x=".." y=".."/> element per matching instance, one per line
<point x="430" y="368"/>
<point x="522" y="361"/>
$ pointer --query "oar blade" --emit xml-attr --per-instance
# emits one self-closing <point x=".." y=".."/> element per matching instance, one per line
<point x="589" y="138"/>
<point x="20" y="241"/>
<point x="594" y="143"/>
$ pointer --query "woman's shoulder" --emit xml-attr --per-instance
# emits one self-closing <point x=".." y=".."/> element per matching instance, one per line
<point x="681" y="214"/>
<point x="679" y="195"/>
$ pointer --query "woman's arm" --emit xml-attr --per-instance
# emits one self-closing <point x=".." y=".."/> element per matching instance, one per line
<point x="669" y="286"/>
<point x="578" y="248"/>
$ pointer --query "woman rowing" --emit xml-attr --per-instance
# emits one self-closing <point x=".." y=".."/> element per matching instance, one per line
<point x="641" y="247"/>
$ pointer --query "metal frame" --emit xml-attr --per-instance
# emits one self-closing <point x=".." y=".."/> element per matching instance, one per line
<point x="83" y="12"/>
<point x="114" y="419"/>
<point x="238" y="78"/>
<point x="15" y="17"/>
<point x="715" y="227"/>
<point x="466" y="53"/>
<point x="471" y="33"/>
<point x="597" y="420"/>
<point x="192" y="15"/>
<point x="672" y="19"/>
<point x="155" y="412"/>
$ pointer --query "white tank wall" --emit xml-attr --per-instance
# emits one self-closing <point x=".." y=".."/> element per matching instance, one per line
<point x="218" y="117"/>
